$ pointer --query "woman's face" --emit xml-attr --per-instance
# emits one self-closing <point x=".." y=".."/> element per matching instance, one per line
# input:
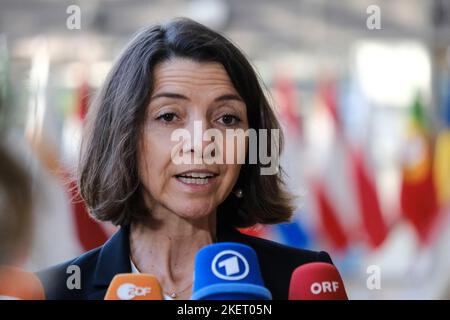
<point x="188" y="95"/>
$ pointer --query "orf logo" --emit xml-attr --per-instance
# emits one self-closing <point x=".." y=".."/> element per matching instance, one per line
<point x="324" y="286"/>
<point x="129" y="291"/>
<point x="230" y="265"/>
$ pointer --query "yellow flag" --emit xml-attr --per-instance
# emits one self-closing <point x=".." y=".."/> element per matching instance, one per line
<point x="442" y="167"/>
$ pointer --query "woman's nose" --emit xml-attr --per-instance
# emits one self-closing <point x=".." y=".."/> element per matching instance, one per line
<point x="197" y="143"/>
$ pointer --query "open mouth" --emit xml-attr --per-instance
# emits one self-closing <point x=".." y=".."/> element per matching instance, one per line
<point x="198" y="178"/>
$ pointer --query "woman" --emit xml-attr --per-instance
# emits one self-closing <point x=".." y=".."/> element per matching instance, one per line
<point x="178" y="76"/>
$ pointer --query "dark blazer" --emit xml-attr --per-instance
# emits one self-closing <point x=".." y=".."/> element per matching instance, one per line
<point x="99" y="266"/>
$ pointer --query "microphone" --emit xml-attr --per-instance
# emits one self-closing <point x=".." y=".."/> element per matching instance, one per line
<point x="17" y="284"/>
<point x="317" y="281"/>
<point x="228" y="271"/>
<point x="130" y="286"/>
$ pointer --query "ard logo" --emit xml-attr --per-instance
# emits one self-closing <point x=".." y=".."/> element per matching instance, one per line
<point x="230" y="265"/>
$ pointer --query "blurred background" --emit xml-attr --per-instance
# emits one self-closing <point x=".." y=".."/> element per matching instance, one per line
<point x="362" y="89"/>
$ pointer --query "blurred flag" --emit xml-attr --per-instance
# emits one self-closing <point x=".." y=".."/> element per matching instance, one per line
<point x="418" y="195"/>
<point x="331" y="199"/>
<point x="331" y="225"/>
<point x="355" y="125"/>
<point x="442" y="158"/>
<point x="347" y="176"/>
<point x="286" y="100"/>
<point x="294" y="233"/>
<point x="368" y="200"/>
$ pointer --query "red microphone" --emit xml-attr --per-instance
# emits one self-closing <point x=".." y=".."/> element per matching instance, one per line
<point x="317" y="281"/>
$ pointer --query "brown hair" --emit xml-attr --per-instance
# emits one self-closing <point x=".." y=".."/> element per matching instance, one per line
<point x="109" y="180"/>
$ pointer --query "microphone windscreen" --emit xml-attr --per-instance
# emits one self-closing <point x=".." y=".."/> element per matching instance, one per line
<point x="130" y="286"/>
<point x="317" y="281"/>
<point x="19" y="284"/>
<point x="228" y="271"/>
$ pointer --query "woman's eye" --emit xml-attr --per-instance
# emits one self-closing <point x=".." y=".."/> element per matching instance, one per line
<point x="167" y="117"/>
<point x="229" y="120"/>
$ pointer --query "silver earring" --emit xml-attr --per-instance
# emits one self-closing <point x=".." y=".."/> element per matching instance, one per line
<point x="239" y="193"/>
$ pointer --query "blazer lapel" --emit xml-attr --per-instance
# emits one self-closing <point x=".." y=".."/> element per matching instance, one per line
<point x="114" y="258"/>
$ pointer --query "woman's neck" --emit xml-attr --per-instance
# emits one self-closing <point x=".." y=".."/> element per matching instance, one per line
<point x="166" y="247"/>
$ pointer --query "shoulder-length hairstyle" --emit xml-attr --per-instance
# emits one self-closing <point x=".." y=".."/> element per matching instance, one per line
<point x="108" y="174"/>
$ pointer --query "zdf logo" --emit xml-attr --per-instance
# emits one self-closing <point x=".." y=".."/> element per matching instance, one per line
<point x="324" y="286"/>
<point x="129" y="291"/>
<point x="230" y="265"/>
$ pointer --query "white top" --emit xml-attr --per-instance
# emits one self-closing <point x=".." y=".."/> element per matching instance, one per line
<point x="135" y="270"/>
